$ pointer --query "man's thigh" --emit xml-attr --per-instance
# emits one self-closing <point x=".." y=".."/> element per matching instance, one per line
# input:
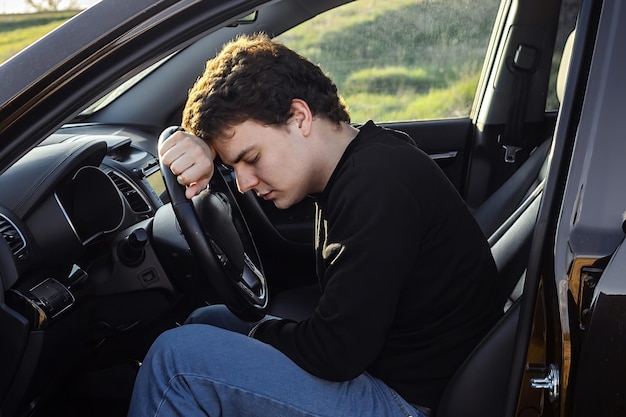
<point x="201" y="370"/>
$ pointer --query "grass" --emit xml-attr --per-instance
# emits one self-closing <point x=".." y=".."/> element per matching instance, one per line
<point x="401" y="59"/>
<point x="17" y="31"/>
<point x="453" y="101"/>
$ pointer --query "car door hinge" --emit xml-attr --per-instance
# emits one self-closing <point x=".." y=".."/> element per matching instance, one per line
<point x="550" y="382"/>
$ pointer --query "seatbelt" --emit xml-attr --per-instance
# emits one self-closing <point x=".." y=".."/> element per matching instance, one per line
<point x="523" y="67"/>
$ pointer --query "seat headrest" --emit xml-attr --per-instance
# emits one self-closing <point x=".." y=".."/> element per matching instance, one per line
<point x="564" y="66"/>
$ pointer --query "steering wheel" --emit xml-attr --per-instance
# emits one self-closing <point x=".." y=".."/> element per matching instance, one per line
<point x="220" y="242"/>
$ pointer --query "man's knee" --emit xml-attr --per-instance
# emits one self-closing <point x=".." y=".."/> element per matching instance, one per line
<point x="212" y="315"/>
<point x="219" y="316"/>
<point x="181" y="342"/>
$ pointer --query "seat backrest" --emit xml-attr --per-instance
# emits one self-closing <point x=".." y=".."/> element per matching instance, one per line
<point x="481" y="384"/>
<point x="499" y="206"/>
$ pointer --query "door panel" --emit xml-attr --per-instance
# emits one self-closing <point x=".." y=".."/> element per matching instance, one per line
<point x="446" y="141"/>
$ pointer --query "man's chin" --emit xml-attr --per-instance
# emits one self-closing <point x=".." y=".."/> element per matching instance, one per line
<point x="282" y="204"/>
<point x="284" y="200"/>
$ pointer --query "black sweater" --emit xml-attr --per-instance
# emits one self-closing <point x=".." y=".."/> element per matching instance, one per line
<point x="406" y="273"/>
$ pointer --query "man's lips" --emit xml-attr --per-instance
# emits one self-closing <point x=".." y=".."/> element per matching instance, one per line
<point x="265" y="196"/>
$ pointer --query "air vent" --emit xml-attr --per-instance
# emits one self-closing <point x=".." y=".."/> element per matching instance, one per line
<point x="13" y="237"/>
<point x="130" y="193"/>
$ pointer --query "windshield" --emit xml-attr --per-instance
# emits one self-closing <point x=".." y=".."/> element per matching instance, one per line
<point x="122" y="88"/>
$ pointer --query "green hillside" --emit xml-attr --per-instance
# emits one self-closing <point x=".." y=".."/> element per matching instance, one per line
<point x="433" y="52"/>
<point x="17" y="31"/>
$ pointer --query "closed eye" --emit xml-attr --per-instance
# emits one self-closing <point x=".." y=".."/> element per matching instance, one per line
<point x="254" y="160"/>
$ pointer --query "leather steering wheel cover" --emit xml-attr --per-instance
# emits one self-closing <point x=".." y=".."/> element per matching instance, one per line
<point x="231" y="289"/>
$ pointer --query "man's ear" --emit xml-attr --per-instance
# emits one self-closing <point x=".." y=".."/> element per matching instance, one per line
<point x="302" y="115"/>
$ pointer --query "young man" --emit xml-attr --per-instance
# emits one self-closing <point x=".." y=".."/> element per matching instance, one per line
<point x="407" y="278"/>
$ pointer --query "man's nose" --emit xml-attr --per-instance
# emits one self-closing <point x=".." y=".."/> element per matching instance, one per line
<point x="245" y="180"/>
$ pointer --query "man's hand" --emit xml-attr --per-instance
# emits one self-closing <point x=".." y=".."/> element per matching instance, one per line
<point x="190" y="159"/>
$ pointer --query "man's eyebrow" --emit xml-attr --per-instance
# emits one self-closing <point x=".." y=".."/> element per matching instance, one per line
<point x="241" y="154"/>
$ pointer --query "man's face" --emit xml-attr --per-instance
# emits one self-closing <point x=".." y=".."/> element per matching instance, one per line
<point x="276" y="162"/>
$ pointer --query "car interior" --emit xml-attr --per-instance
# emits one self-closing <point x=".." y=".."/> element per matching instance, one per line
<point x="96" y="262"/>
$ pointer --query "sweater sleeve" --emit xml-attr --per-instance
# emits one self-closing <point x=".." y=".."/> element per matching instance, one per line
<point x="374" y="228"/>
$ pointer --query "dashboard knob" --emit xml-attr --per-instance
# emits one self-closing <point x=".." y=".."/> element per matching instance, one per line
<point x="131" y="249"/>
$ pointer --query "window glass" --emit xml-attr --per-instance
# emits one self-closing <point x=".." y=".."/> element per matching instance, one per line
<point x="398" y="60"/>
<point x="567" y="23"/>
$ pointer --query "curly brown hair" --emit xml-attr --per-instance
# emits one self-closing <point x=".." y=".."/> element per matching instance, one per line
<point x="254" y="77"/>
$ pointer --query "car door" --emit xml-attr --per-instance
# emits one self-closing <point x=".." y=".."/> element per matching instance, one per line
<point x="575" y="355"/>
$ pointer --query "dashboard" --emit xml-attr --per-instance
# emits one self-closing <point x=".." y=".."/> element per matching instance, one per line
<point x="76" y="216"/>
<point x="91" y="254"/>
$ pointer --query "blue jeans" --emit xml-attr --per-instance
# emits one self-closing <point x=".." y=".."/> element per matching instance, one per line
<point x="207" y="370"/>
